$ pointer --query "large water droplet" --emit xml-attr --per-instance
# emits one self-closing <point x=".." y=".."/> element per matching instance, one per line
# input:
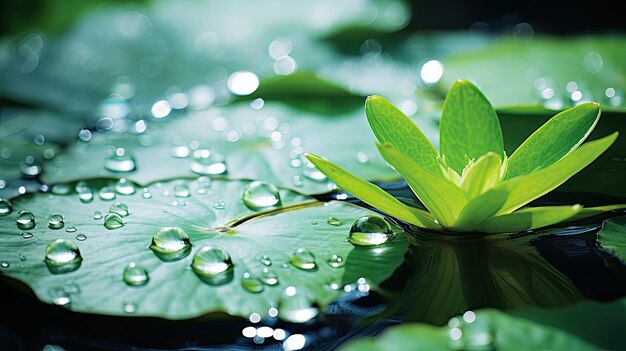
<point x="119" y="208"/>
<point x="207" y="163"/>
<point x="55" y="221"/>
<point x="251" y="284"/>
<point x="62" y="256"/>
<point x="334" y="221"/>
<point x="336" y="261"/>
<point x="124" y="187"/>
<point x="5" y="207"/>
<point x="170" y="244"/>
<point x="295" y="307"/>
<point x="260" y="194"/>
<point x="135" y="275"/>
<point x="119" y="161"/>
<point x="213" y="265"/>
<point x="303" y="259"/>
<point x="25" y="220"/>
<point x="106" y="194"/>
<point x="113" y="221"/>
<point x="85" y="194"/>
<point x="268" y="277"/>
<point x="181" y="190"/>
<point x="370" y="230"/>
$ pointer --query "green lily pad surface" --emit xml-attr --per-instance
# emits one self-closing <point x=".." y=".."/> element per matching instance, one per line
<point x="612" y="236"/>
<point x="266" y="144"/>
<point x="212" y="215"/>
<point x="516" y="71"/>
<point x="530" y="329"/>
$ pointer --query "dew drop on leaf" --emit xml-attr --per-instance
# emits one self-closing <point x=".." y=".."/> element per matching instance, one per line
<point x="336" y="261"/>
<point x="119" y="208"/>
<point x="206" y="162"/>
<point x="170" y="244"/>
<point x="303" y="259"/>
<point x="265" y="260"/>
<point x="213" y="265"/>
<point x="58" y="296"/>
<point x="106" y="194"/>
<point x="81" y="237"/>
<point x="119" y="161"/>
<point x="25" y="220"/>
<point x="124" y="187"/>
<point x="181" y="190"/>
<point x="370" y="230"/>
<point x="55" y="221"/>
<point x="97" y="215"/>
<point x="113" y="221"/>
<point x="85" y="194"/>
<point x="62" y="256"/>
<point x="268" y="277"/>
<point x="135" y="275"/>
<point x="251" y="283"/>
<point x="260" y="194"/>
<point x="5" y="207"/>
<point x="334" y="221"/>
<point x="294" y="306"/>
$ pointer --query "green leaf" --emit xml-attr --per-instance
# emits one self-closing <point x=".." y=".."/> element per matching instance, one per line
<point x="393" y="127"/>
<point x="612" y="236"/>
<point x="530" y="218"/>
<point x="174" y="291"/>
<point x="443" y="199"/>
<point x="480" y="209"/>
<point x="524" y="189"/>
<point x="252" y="155"/>
<point x="469" y="126"/>
<point x="558" y="137"/>
<point x="373" y="195"/>
<point x="482" y="175"/>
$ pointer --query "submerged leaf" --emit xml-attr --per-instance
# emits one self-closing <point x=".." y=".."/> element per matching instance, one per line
<point x="469" y="126"/>
<point x="558" y="137"/>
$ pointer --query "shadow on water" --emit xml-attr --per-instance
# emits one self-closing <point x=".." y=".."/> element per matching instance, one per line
<point x="441" y="277"/>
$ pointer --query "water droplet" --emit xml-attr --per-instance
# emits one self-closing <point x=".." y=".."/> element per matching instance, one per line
<point x="61" y="189"/>
<point x="25" y="220"/>
<point x="208" y="163"/>
<point x="295" y="307"/>
<point x="113" y="221"/>
<point x="106" y="194"/>
<point x="81" y="237"/>
<point x="71" y="229"/>
<point x="251" y="284"/>
<point x="265" y="260"/>
<point x="312" y="173"/>
<point x="85" y="194"/>
<point x="97" y="215"/>
<point x="129" y="306"/>
<point x="119" y="208"/>
<point x="5" y="264"/>
<point x="59" y="297"/>
<point x="181" y="190"/>
<point x="260" y="194"/>
<point x="362" y="157"/>
<point x="30" y="167"/>
<point x="62" y="256"/>
<point x="119" y="161"/>
<point x="5" y="207"/>
<point x="23" y="257"/>
<point x="135" y="275"/>
<point x="55" y="221"/>
<point x="314" y="222"/>
<point x="242" y="83"/>
<point x="370" y="230"/>
<point x="124" y="187"/>
<point x="268" y="277"/>
<point x="213" y="265"/>
<point x="180" y="151"/>
<point x="170" y="244"/>
<point x="303" y="259"/>
<point x="336" y="261"/>
<point x="334" y="221"/>
<point x="27" y="235"/>
<point x="220" y="205"/>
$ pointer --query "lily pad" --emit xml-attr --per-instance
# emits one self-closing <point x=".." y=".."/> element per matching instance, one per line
<point x="266" y="144"/>
<point x="528" y="329"/>
<point x="537" y="72"/>
<point x="612" y="236"/>
<point x="212" y="215"/>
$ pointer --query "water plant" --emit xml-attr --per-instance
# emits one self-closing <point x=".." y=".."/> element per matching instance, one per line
<point x="471" y="185"/>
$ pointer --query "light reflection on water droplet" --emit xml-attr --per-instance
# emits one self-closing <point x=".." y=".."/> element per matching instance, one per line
<point x="170" y="244"/>
<point x="71" y="229"/>
<point x="119" y="208"/>
<point x="55" y="221"/>
<point x="180" y="151"/>
<point x="243" y="83"/>
<point x="81" y="237"/>
<point x="336" y="261"/>
<point x="268" y="277"/>
<point x="295" y="307"/>
<point x="265" y="260"/>
<point x="58" y="296"/>
<point x="5" y="264"/>
<point x="251" y="283"/>
<point x="62" y="256"/>
<point x="61" y="189"/>
<point x="27" y="235"/>
<point x="85" y="194"/>
<point x="219" y="205"/>
<point x="129" y="306"/>
<point x="370" y="230"/>
<point x="260" y="194"/>
<point x="25" y="220"/>
<point x="30" y="167"/>
<point x="181" y="190"/>
<point x="5" y="207"/>
<point x="97" y="215"/>
<point x="334" y="221"/>
<point x="303" y="259"/>
<point x="106" y="194"/>
<point x="119" y="161"/>
<point x="124" y="187"/>
<point x="135" y="275"/>
<point x="206" y="162"/>
<point x="113" y="221"/>
<point x="213" y="265"/>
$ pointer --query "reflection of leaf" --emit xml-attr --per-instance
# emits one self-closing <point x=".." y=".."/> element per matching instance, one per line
<point x="518" y="69"/>
<point x="526" y="329"/>
<point x="612" y="236"/>
<point x="266" y="144"/>
<point x="449" y="275"/>
<point x="174" y="291"/>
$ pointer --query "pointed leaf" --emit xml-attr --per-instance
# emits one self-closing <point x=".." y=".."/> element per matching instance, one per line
<point x="524" y="189"/>
<point x="441" y="197"/>
<point x="393" y="127"/>
<point x="593" y="211"/>
<point x="469" y="126"/>
<point x="558" y="137"/>
<point x="482" y="175"/>
<point x="372" y="194"/>
<point x="530" y="218"/>
<point x="480" y="209"/>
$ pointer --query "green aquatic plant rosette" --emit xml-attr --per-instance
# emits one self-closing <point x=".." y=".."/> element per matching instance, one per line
<point x="471" y="185"/>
